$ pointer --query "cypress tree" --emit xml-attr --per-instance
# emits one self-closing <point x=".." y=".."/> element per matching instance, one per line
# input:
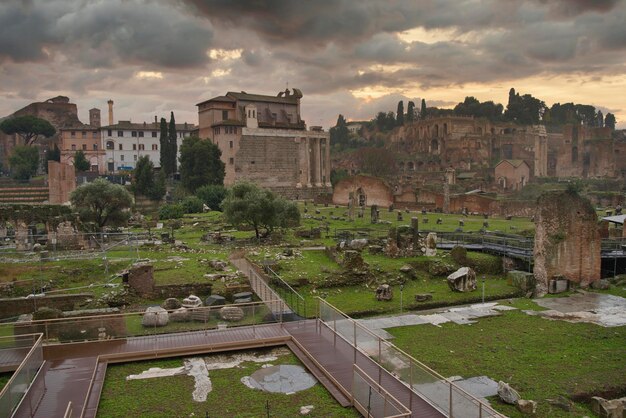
<point x="423" y="110"/>
<point x="172" y="148"/>
<point x="163" y="143"/>
<point x="400" y="114"/>
<point x="410" y="112"/>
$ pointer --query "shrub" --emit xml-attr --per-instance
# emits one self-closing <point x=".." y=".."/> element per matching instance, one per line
<point x="212" y="195"/>
<point x="192" y="204"/>
<point x="174" y="211"/>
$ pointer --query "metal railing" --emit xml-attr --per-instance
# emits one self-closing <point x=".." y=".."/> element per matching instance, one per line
<point x="294" y="299"/>
<point x="145" y="324"/>
<point x="424" y="382"/>
<point x="372" y="400"/>
<point x="21" y="387"/>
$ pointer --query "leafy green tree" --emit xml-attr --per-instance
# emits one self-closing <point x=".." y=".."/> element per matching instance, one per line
<point x="212" y="195"/>
<point x="53" y="154"/>
<point x="385" y="121"/>
<point x="163" y="144"/>
<point x="101" y="203"/>
<point x="80" y="161"/>
<point x="172" y="147"/>
<point x="260" y="209"/>
<point x="423" y="109"/>
<point x="28" y="127"/>
<point x="400" y="114"/>
<point x="473" y="107"/>
<point x="525" y="110"/>
<point x="200" y="164"/>
<point x="24" y="162"/>
<point x="609" y="121"/>
<point x="144" y="182"/>
<point x="410" y="112"/>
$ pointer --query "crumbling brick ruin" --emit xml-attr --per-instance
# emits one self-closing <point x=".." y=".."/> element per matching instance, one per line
<point x="567" y="240"/>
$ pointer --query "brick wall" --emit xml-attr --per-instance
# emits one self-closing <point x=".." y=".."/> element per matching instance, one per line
<point x="17" y="306"/>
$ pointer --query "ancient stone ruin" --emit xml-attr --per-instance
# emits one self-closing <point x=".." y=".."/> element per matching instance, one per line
<point x="462" y="280"/>
<point x="567" y="241"/>
<point x="384" y="292"/>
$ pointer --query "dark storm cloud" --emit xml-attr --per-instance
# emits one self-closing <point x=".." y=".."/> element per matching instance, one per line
<point x="119" y="31"/>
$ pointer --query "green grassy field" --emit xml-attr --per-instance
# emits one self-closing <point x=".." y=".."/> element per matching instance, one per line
<point x="171" y="396"/>
<point x="4" y="379"/>
<point x="541" y="359"/>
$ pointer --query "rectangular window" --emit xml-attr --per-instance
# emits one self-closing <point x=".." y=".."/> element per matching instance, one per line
<point x="120" y="133"/>
<point x="135" y="157"/>
<point x="95" y="147"/>
<point x="231" y="144"/>
<point x="84" y="134"/>
<point x="134" y="147"/>
<point x="122" y="157"/>
<point x="110" y="132"/>
<point x="94" y="135"/>
<point x="141" y="147"/>
<point x="231" y="161"/>
<point x="73" y="134"/>
<point x="154" y="134"/>
<point x="224" y="114"/>
<point x="133" y="134"/>
<point x="120" y="147"/>
<point x="140" y="134"/>
<point x="84" y="147"/>
<point x="73" y="147"/>
<point x="155" y="147"/>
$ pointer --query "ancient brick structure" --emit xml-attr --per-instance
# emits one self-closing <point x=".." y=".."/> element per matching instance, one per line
<point x="264" y="140"/>
<point x="61" y="182"/>
<point x="141" y="279"/>
<point x="512" y="174"/>
<point x="567" y="240"/>
<point x="367" y="191"/>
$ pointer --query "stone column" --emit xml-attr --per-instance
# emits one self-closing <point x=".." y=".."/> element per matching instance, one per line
<point x="327" y="162"/>
<point x="317" y="175"/>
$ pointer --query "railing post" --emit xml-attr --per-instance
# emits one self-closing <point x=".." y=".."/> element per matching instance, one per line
<point x="354" y="328"/>
<point x="411" y="384"/>
<point x="480" y="410"/>
<point x="334" y="329"/>
<point x="380" y="360"/>
<point x="253" y="321"/>
<point x="46" y="330"/>
<point x="450" y="414"/>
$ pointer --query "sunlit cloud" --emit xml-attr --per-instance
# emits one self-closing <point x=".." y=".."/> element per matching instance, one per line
<point x="148" y="75"/>
<point x="225" y="54"/>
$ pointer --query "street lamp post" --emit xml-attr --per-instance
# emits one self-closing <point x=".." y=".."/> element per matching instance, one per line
<point x="401" y="298"/>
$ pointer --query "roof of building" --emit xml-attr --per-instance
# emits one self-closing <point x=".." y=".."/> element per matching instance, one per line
<point x="618" y="219"/>
<point x="514" y="163"/>
<point x="466" y="176"/>
<point x="144" y="126"/>
<point x="232" y="96"/>
<point x="229" y="122"/>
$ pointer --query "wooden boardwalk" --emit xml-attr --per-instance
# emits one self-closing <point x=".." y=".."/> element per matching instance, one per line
<point x="75" y="372"/>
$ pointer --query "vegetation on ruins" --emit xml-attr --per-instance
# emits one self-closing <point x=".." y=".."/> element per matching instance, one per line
<point x="609" y="121"/>
<point x="473" y="107"/>
<point x="171" y="211"/>
<point x="200" y="164"/>
<point x="24" y="162"/>
<point x="28" y="127"/>
<point x="248" y="205"/>
<point x="145" y="182"/>
<point x="192" y="204"/>
<point x="410" y="112"/>
<point x="400" y="114"/>
<point x="101" y="203"/>
<point x="339" y="134"/>
<point x="378" y="162"/>
<point x="336" y="175"/>
<point x="212" y="195"/>
<point x="80" y="161"/>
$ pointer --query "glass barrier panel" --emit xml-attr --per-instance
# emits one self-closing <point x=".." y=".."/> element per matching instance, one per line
<point x="463" y="405"/>
<point x="367" y="343"/>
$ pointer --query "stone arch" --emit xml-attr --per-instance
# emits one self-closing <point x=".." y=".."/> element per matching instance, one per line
<point x="436" y="131"/>
<point x="574" y="154"/>
<point x="502" y="182"/>
<point x="434" y="145"/>
<point x="410" y="166"/>
<point x="401" y="165"/>
<point x="445" y="129"/>
<point x="361" y="197"/>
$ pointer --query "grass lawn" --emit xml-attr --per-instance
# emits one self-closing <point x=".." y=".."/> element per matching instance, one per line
<point x="171" y="396"/>
<point x="4" y="379"/>
<point x="540" y="358"/>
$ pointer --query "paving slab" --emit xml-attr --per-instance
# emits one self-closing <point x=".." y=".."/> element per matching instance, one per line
<point x="596" y="308"/>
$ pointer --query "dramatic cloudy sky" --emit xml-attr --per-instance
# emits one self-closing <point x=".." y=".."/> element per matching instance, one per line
<point x="347" y="56"/>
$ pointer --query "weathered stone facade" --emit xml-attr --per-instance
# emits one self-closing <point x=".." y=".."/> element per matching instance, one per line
<point x="567" y="240"/>
<point x="61" y="182"/>
<point x="367" y="191"/>
<point x="264" y="140"/>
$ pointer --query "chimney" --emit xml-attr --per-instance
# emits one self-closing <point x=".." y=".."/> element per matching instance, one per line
<point x="94" y="117"/>
<point x="156" y="123"/>
<point x="110" y="102"/>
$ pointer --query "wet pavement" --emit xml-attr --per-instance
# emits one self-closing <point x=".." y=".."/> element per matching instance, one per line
<point x="595" y="308"/>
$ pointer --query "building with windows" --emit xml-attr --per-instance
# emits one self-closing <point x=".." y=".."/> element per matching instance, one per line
<point x="78" y="136"/>
<point x="264" y="140"/>
<point x="125" y="142"/>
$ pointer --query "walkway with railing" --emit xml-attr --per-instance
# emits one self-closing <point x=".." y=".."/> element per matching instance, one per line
<point x="350" y="361"/>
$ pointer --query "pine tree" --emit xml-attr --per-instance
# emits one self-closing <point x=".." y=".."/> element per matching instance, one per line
<point x="163" y="143"/>
<point x="410" y="112"/>
<point x="172" y="148"/>
<point x="400" y="114"/>
<point x="609" y="121"/>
